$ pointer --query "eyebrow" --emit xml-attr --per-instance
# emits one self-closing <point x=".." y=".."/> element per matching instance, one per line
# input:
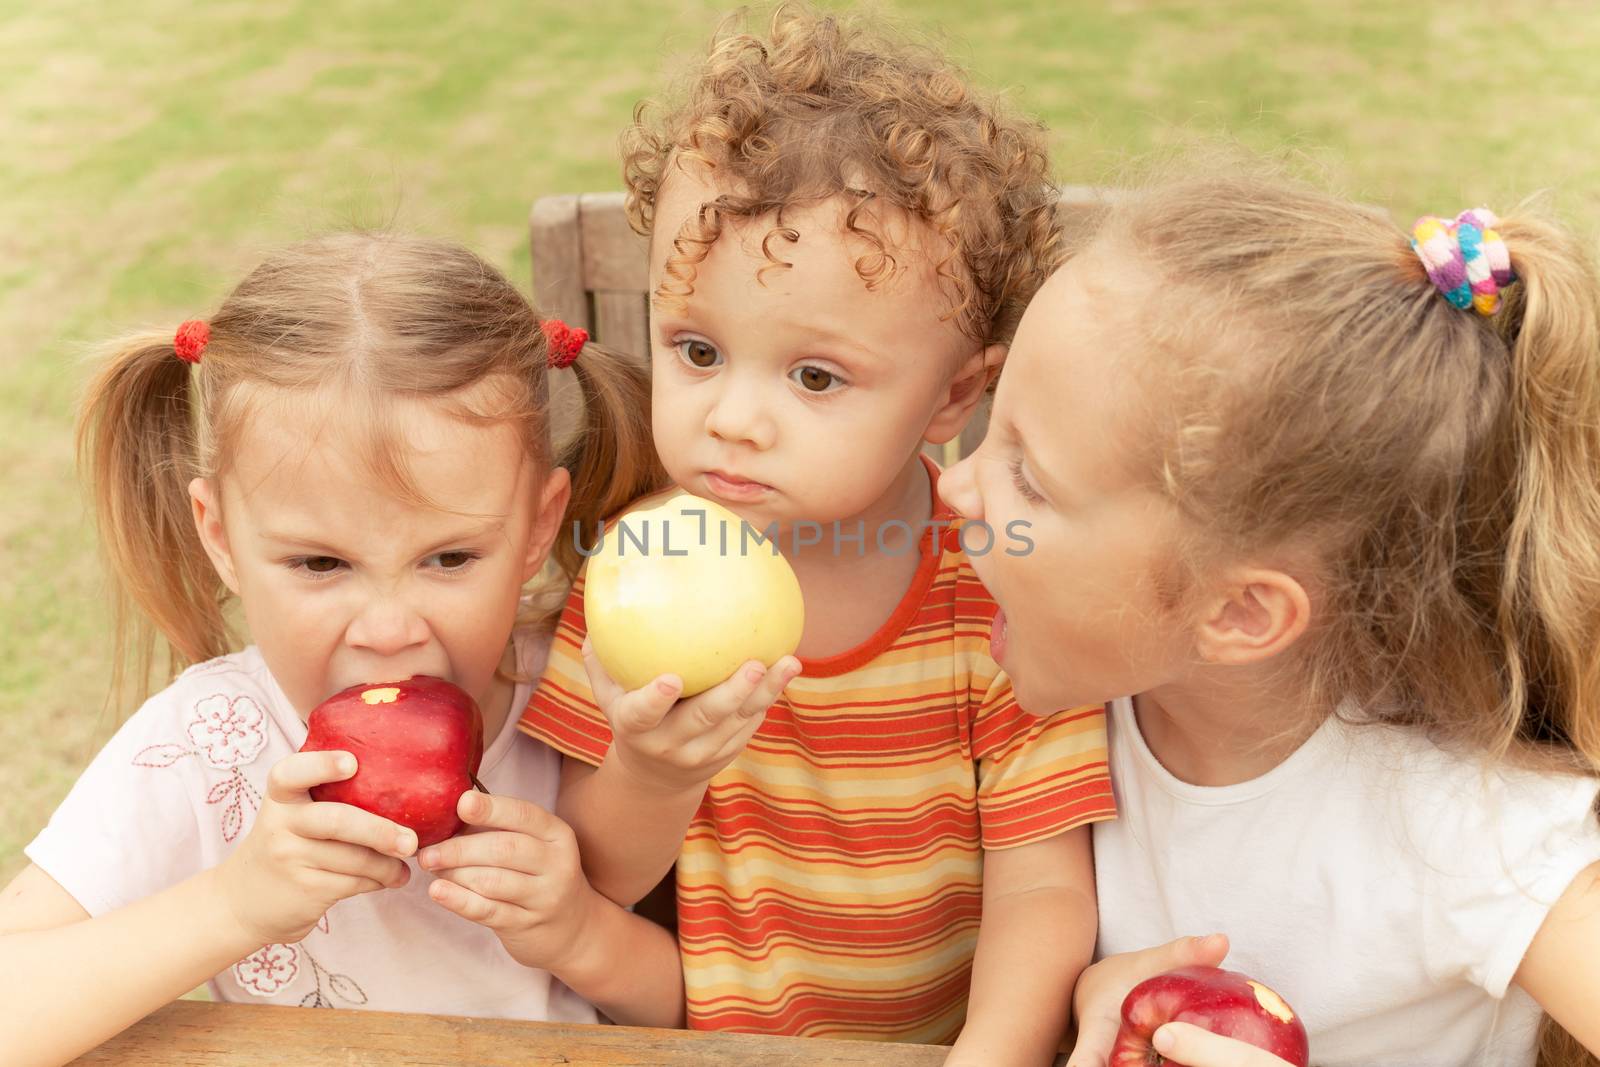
<point x="841" y="339"/>
<point x="289" y="538"/>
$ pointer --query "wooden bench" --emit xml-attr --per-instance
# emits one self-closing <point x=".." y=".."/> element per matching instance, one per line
<point x="590" y="269"/>
<point x="201" y="1034"/>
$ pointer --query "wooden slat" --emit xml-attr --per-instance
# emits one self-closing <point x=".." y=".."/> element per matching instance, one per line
<point x="614" y="257"/>
<point x="198" y="1034"/>
<point x="620" y="322"/>
<point x="556" y="249"/>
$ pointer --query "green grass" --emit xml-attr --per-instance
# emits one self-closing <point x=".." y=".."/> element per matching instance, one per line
<point x="149" y="152"/>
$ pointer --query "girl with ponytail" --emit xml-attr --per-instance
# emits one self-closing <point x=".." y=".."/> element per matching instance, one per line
<point x="1323" y="531"/>
<point x="354" y="451"/>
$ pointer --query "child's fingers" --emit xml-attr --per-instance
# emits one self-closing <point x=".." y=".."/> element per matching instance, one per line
<point x="469" y="905"/>
<point x="342" y="886"/>
<point x="734" y="743"/>
<point x="1131" y="968"/>
<point x="728" y="726"/>
<point x="512" y="814"/>
<point x="603" y="686"/>
<point x="355" y="861"/>
<point x="1183" y="1043"/>
<point x="351" y="825"/>
<point x="705" y="713"/>
<point x="1207" y="951"/>
<point x="644" y="708"/>
<point x="291" y="778"/>
<point x="771" y="687"/>
<point x="491" y="848"/>
<point x="631" y="711"/>
<point x="1097" y="1035"/>
<point x="1100" y="992"/>
<point x="494" y="883"/>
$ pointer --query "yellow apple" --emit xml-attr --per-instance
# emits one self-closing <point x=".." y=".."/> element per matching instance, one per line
<point x="686" y="588"/>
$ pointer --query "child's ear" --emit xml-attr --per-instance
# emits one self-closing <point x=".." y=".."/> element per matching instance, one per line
<point x="1253" y="615"/>
<point x="206" y="502"/>
<point x="547" y="524"/>
<point x="964" y="393"/>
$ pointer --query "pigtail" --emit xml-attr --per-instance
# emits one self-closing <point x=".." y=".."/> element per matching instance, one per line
<point x="612" y="458"/>
<point x="137" y="448"/>
<point x="1549" y="605"/>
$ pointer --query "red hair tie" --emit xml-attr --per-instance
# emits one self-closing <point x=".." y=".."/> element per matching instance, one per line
<point x="564" y="342"/>
<point x="191" y="340"/>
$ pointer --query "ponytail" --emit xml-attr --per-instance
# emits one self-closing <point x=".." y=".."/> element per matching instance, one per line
<point x="1549" y="618"/>
<point x="1549" y="603"/>
<point x="137" y="448"/>
<point x="612" y="457"/>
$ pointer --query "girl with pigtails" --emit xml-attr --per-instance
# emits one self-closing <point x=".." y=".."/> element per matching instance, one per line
<point x="356" y="448"/>
<point x="1323" y="531"/>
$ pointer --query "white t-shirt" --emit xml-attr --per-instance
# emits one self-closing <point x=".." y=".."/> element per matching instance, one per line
<point x="1387" y="889"/>
<point x="179" y="786"/>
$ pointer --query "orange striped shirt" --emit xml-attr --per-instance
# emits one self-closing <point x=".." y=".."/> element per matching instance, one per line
<point x="831" y="882"/>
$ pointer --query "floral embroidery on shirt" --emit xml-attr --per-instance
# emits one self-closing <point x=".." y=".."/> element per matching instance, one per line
<point x="268" y="969"/>
<point x="227" y="733"/>
<point x="339" y="985"/>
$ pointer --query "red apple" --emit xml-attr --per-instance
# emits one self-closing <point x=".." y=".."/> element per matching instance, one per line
<point x="417" y="745"/>
<point x="1224" y="1002"/>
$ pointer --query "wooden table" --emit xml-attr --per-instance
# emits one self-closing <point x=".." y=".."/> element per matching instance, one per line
<point x="191" y="1033"/>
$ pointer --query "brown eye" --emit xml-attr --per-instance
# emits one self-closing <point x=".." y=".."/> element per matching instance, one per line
<point x="815" y="379"/>
<point x="699" y="353"/>
<point x="321" y="564"/>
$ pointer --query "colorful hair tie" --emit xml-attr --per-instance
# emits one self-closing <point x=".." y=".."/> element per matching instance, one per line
<point x="191" y="340"/>
<point x="1466" y="259"/>
<point x="564" y="342"/>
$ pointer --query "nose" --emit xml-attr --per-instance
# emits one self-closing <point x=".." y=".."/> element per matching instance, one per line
<point x="959" y="487"/>
<point x="739" y="415"/>
<point x="386" y="626"/>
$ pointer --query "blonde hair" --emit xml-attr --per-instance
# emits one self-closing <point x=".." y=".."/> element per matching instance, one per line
<point x="828" y="106"/>
<point x="375" y="317"/>
<point x="1444" y="468"/>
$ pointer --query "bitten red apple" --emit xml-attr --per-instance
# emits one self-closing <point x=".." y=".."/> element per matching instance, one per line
<point x="417" y="744"/>
<point x="1224" y="1002"/>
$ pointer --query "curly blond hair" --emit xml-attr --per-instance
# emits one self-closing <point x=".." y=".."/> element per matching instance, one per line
<point x="830" y="106"/>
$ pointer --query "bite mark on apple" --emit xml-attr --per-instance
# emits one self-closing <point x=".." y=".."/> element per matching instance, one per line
<point x="1271" y="1003"/>
<point x="386" y="695"/>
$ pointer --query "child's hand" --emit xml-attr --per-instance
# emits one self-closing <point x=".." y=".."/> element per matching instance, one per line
<point x="1097" y="1000"/>
<point x="302" y="856"/>
<point x="1183" y="1043"/>
<point x="674" y="745"/>
<point x="519" y="876"/>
